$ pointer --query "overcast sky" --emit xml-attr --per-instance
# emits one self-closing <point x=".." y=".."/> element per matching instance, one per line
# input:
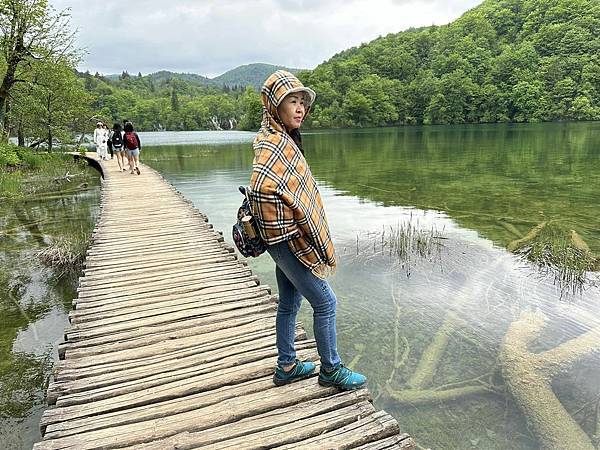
<point x="210" y="37"/>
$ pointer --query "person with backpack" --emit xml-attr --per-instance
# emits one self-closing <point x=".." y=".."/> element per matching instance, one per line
<point x="132" y="143"/>
<point x="108" y="143"/>
<point x="116" y="141"/>
<point x="290" y="217"/>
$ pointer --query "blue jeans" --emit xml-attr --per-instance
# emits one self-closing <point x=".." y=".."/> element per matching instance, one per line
<point x="295" y="281"/>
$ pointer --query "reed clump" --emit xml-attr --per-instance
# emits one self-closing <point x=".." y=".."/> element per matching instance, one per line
<point x="404" y="243"/>
<point x="66" y="254"/>
<point x="559" y="252"/>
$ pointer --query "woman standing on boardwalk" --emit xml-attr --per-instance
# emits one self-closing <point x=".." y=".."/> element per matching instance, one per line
<point x="291" y="219"/>
<point x="133" y="145"/>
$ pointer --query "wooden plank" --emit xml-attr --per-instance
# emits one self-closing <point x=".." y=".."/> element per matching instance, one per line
<point x="401" y="441"/>
<point x="161" y="308"/>
<point x="160" y="387"/>
<point x="99" y="328"/>
<point x="227" y="411"/>
<point x="375" y="427"/>
<point x="153" y="264"/>
<point x="56" y="423"/>
<point x="156" y="303"/>
<point x="122" y="260"/>
<point x="146" y="369"/>
<point x="283" y="426"/>
<point x="110" y="276"/>
<point x="165" y="256"/>
<point x="82" y="358"/>
<point x="231" y="276"/>
<point x="202" y="288"/>
<point x="180" y="244"/>
<point x="203" y="383"/>
<point x="166" y="275"/>
<point x="186" y="327"/>
<point x="209" y="351"/>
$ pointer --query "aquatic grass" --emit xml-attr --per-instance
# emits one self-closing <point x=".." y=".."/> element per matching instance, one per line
<point x="403" y="243"/>
<point x="66" y="254"/>
<point x="40" y="174"/>
<point x="560" y="253"/>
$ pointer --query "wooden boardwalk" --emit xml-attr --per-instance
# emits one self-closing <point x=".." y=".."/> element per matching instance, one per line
<point x="171" y="344"/>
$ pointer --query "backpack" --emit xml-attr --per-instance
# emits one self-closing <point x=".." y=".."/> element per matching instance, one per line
<point x="117" y="140"/>
<point x="245" y="232"/>
<point x="131" y="141"/>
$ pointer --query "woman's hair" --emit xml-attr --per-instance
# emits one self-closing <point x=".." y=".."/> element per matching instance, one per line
<point x="128" y="127"/>
<point x="117" y="127"/>
<point x="297" y="138"/>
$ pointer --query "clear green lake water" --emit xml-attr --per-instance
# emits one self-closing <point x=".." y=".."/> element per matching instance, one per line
<point x="468" y="183"/>
<point x="35" y="300"/>
<point x="480" y="187"/>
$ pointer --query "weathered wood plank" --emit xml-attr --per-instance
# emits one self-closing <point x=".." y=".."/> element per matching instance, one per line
<point x="227" y="411"/>
<point x="81" y="358"/>
<point x="152" y="264"/>
<point x="206" y="279"/>
<point x="80" y="331"/>
<point x="201" y="361"/>
<point x="179" y="328"/>
<point x="203" y="383"/>
<point x="398" y="442"/>
<point x="377" y="426"/>
<point x="146" y="305"/>
<point x="55" y="421"/>
<point x="141" y="273"/>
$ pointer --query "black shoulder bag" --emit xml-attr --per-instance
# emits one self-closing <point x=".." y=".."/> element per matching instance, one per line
<point x="245" y="232"/>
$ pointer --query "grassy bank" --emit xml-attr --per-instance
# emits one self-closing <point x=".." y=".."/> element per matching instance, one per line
<point x="27" y="174"/>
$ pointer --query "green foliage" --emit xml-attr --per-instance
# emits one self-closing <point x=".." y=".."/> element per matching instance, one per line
<point x="37" y="173"/>
<point x="509" y="61"/>
<point x="8" y="155"/>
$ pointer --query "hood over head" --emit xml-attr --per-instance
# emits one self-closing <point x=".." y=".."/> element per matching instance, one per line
<point x="274" y="90"/>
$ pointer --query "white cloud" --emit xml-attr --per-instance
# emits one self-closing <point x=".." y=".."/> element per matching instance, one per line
<point x="210" y="37"/>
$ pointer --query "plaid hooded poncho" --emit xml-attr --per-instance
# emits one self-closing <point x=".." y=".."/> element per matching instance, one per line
<point x="284" y="195"/>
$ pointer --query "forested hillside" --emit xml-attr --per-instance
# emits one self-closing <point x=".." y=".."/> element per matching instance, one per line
<point x="161" y="103"/>
<point x="182" y="101"/>
<point x="507" y="60"/>
<point x="503" y="61"/>
<point x="248" y="75"/>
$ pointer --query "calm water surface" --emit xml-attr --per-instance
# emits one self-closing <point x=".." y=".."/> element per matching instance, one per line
<point x="34" y="302"/>
<point x="429" y="333"/>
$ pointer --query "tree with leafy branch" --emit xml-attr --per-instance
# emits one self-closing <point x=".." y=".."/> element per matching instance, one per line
<point x="31" y="32"/>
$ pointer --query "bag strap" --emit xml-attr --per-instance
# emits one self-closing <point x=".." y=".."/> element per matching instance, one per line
<point x="245" y="191"/>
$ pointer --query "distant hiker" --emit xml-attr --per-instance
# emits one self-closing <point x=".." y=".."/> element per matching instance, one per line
<point x="132" y="143"/>
<point x="289" y="213"/>
<point x="116" y="141"/>
<point x="108" y="143"/>
<point x="100" y="138"/>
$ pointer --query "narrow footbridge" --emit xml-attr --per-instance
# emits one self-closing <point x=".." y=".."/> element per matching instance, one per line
<point x="172" y="343"/>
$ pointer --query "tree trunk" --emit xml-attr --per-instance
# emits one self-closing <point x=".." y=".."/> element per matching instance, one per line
<point x="20" y="135"/>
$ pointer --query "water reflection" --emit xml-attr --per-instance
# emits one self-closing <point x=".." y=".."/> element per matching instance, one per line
<point x="440" y="347"/>
<point x="34" y="303"/>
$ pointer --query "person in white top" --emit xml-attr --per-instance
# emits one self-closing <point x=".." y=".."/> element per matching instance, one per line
<point x="100" y="138"/>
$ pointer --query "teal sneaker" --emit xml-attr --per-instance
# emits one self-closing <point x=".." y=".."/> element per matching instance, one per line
<point x="342" y="378"/>
<point x="301" y="370"/>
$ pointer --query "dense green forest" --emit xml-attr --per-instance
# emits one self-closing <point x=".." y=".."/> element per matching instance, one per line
<point x="182" y="101"/>
<point x="505" y="60"/>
